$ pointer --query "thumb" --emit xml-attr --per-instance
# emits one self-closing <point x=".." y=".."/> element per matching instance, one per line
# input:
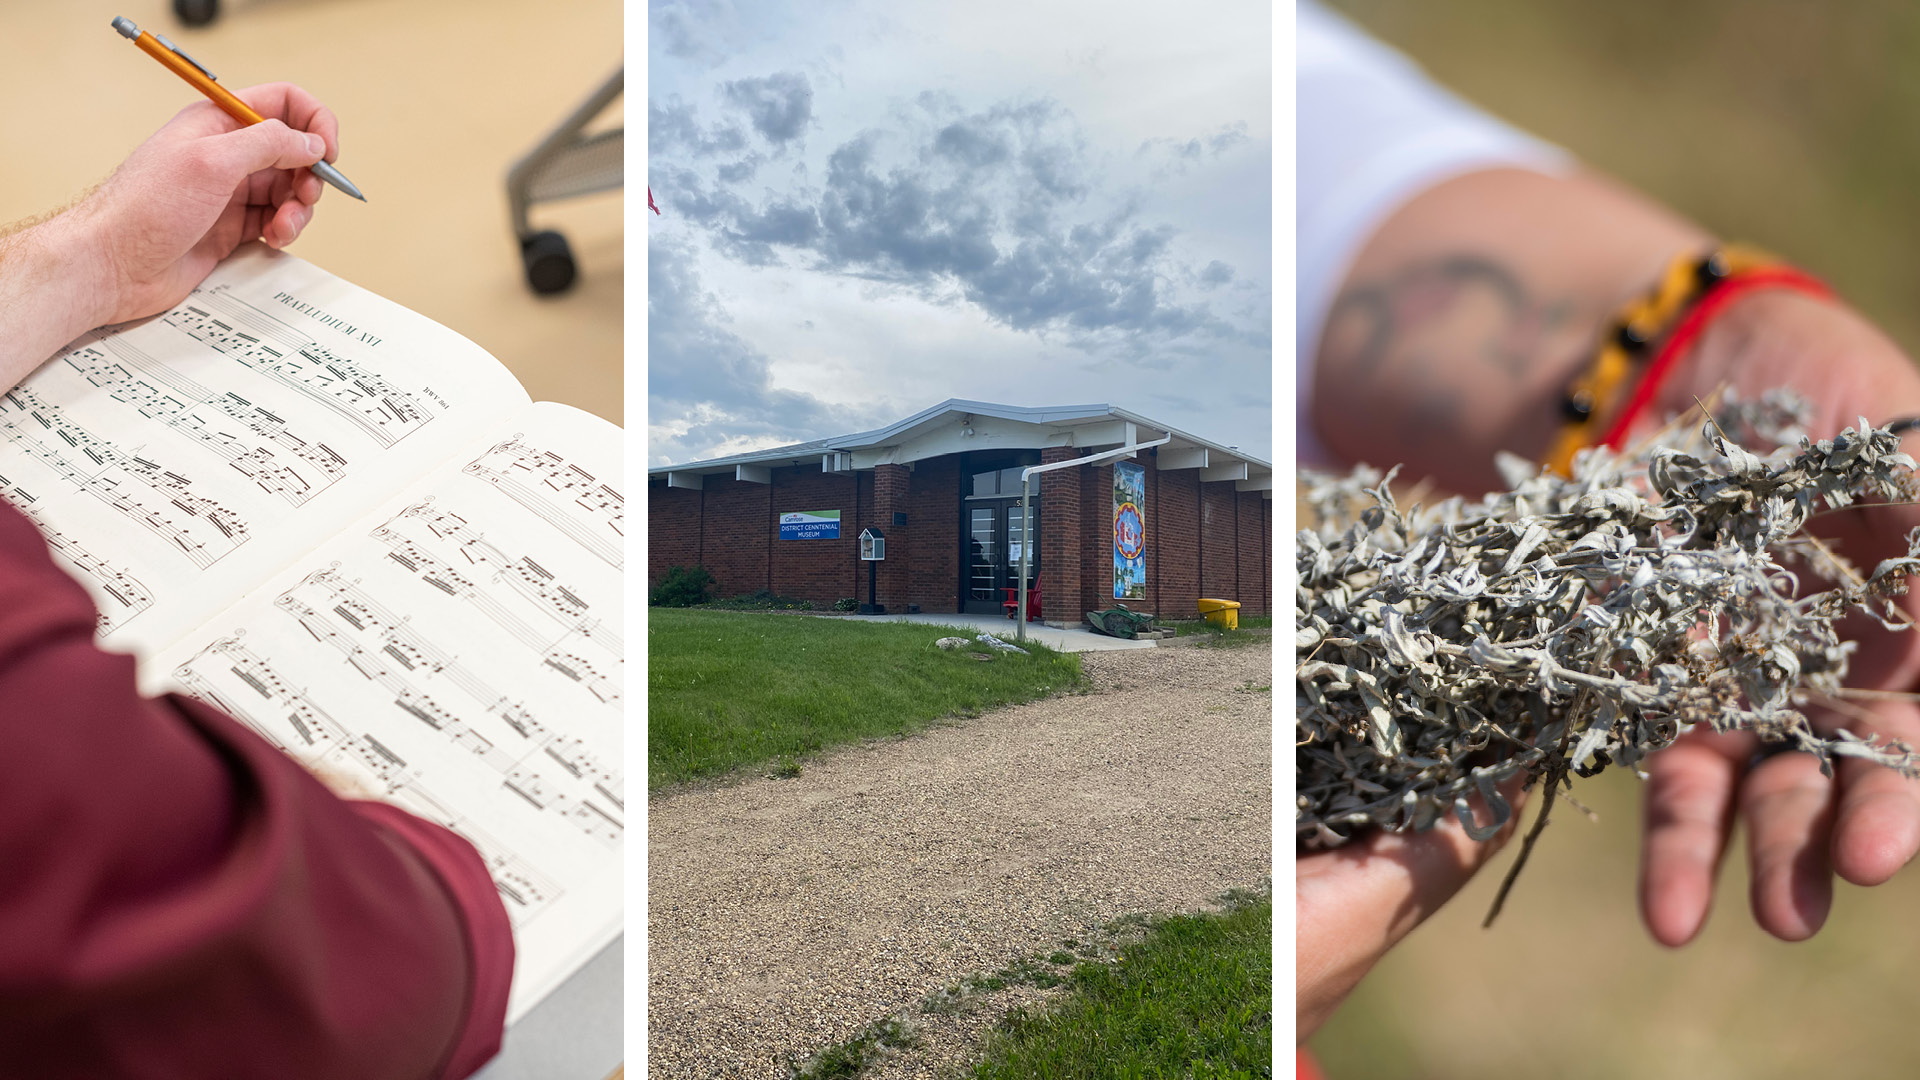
<point x="270" y="144"/>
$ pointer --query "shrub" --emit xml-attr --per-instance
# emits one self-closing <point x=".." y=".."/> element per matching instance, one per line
<point x="846" y="603"/>
<point x="765" y="600"/>
<point x="684" y="586"/>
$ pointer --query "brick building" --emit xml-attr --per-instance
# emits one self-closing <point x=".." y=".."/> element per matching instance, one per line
<point x="943" y="486"/>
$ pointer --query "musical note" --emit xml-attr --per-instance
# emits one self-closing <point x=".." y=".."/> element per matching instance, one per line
<point x="118" y="595"/>
<point x="383" y="648"/>
<point x="408" y="533"/>
<point x="383" y="410"/>
<point x="154" y="497"/>
<point x="265" y="701"/>
<point x="163" y="395"/>
<point x="571" y="499"/>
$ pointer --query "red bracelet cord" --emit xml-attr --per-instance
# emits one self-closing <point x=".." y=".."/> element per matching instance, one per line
<point x="1690" y="328"/>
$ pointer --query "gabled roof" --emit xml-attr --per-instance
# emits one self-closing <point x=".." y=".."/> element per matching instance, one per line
<point x="957" y="424"/>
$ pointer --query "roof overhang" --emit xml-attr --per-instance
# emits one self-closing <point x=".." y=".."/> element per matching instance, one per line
<point x="955" y="426"/>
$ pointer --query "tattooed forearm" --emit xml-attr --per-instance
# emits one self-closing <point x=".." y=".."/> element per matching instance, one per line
<point x="1453" y="356"/>
<point x="1462" y="318"/>
<point x="1468" y="306"/>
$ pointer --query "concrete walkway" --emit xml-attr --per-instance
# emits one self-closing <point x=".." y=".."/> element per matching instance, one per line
<point x="1078" y="639"/>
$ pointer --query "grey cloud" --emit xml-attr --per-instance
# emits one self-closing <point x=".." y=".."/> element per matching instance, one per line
<point x="673" y="126"/>
<point x="971" y="145"/>
<point x="779" y="106"/>
<point x="986" y="206"/>
<point x="739" y="171"/>
<point x="684" y="27"/>
<point x="697" y="367"/>
<point x="1216" y="274"/>
<point x="1176" y="156"/>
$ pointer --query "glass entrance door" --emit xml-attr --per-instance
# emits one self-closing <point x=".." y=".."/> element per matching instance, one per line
<point x="996" y="537"/>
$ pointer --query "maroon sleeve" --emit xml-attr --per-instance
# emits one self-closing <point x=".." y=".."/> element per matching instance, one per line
<point x="179" y="899"/>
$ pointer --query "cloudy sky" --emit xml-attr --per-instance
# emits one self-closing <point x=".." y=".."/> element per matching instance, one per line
<point x="870" y="207"/>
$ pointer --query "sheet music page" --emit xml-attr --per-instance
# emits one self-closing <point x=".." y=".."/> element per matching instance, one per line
<point x="460" y="650"/>
<point x="176" y="462"/>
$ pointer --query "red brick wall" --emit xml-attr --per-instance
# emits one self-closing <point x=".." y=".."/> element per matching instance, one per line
<point x="1219" y="565"/>
<point x="1255" y="553"/>
<point x="1062" y="542"/>
<point x="1202" y="539"/>
<point x="1096" y="539"/>
<point x="1173" y="531"/>
<point x="673" y="528"/>
<point x="817" y="570"/>
<point x="933" y="518"/>
<point x="889" y="498"/>
<point x="737" y="534"/>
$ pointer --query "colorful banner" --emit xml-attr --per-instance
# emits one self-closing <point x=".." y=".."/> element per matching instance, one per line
<point x="810" y="525"/>
<point x="1129" y="531"/>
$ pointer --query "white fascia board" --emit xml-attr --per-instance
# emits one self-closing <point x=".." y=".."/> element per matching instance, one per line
<point x="1254" y="483"/>
<point x="1184" y="457"/>
<point x="989" y="433"/>
<point x="689" y="480"/>
<point x="754" y="474"/>
<point x="1239" y="470"/>
<point x="1109" y="433"/>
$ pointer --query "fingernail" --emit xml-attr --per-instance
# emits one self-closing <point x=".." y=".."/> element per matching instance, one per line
<point x="316" y="145"/>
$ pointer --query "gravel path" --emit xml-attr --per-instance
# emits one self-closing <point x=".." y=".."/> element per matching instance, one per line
<point x="784" y="916"/>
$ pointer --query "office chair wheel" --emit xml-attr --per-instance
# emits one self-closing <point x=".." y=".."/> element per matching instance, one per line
<point x="549" y="262"/>
<point x="196" y="12"/>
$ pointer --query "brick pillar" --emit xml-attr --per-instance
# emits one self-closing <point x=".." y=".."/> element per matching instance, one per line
<point x="890" y="495"/>
<point x="1060" y="540"/>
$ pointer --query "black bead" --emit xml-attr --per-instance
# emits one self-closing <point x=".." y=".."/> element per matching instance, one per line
<point x="1711" y="270"/>
<point x="1577" y="407"/>
<point x="1628" y="337"/>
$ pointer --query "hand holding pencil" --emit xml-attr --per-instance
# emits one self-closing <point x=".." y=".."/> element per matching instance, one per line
<point x="195" y="73"/>
<point x="239" y="167"/>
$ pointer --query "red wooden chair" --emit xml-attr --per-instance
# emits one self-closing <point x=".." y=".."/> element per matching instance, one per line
<point x="1013" y="600"/>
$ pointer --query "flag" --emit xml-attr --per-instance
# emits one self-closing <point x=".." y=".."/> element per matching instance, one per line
<point x="650" y="205"/>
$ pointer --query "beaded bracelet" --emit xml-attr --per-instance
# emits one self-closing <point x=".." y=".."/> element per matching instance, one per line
<point x="1690" y="293"/>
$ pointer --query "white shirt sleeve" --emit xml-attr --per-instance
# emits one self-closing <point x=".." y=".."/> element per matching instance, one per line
<point x="1372" y="131"/>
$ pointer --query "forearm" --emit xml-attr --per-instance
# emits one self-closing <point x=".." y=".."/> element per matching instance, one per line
<point x="183" y="895"/>
<point x="52" y="290"/>
<point x="1458" y="327"/>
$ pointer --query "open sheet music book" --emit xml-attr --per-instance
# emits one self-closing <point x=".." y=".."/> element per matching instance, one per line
<point x="348" y="527"/>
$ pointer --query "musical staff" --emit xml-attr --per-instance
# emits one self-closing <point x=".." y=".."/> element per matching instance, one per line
<point x="238" y="681"/>
<point x="566" y="496"/>
<point x="383" y="410"/>
<point x="280" y="712"/>
<point x="384" y="649"/>
<point x="408" y="535"/>
<point x="150" y="495"/>
<point x="119" y="596"/>
<point x="247" y="437"/>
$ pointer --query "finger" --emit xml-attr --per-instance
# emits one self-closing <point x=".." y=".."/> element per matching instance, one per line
<point x="1788" y="806"/>
<point x="1877" y="822"/>
<point x="307" y="187"/>
<point x="280" y="186"/>
<point x="238" y="155"/>
<point x="285" y="226"/>
<point x="1354" y="903"/>
<point x="1689" y="815"/>
<point x="297" y="109"/>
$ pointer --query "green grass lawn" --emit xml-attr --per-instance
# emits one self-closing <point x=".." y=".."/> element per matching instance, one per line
<point x="729" y="690"/>
<point x="1192" y="999"/>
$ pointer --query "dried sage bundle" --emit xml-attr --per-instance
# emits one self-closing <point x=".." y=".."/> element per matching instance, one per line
<point x="1565" y="625"/>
